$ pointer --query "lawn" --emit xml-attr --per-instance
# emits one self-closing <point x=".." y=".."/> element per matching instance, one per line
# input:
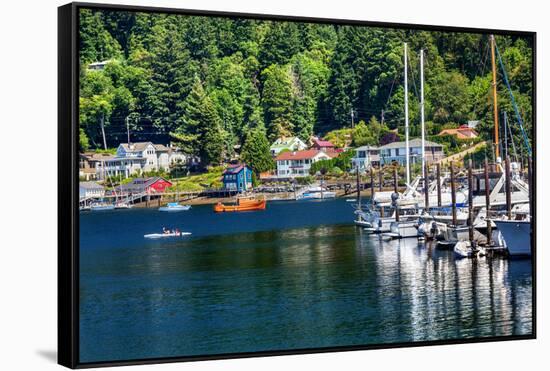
<point x="198" y="182"/>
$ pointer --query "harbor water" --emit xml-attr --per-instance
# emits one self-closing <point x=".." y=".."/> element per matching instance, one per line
<point x="298" y="275"/>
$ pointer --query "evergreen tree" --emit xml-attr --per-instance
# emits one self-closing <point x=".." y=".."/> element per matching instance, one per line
<point x="200" y="132"/>
<point x="96" y="43"/>
<point x="256" y="152"/>
<point x="277" y="101"/>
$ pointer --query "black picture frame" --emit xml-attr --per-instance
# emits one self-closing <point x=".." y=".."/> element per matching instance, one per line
<point x="68" y="213"/>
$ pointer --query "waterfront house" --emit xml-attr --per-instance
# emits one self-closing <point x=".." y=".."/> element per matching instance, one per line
<point x="288" y="144"/>
<point x="365" y="157"/>
<point x="322" y="145"/>
<point x="462" y="132"/>
<point x="237" y="178"/>
<point x="151" y="185"/>
<point x="137" y="158"/>
<point x="90" y="190"/>
<point x="90" y="163"/>
<point x="297" y="163"/>
<point x="396" y="152"/>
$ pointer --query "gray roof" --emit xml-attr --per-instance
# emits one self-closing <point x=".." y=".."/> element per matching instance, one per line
<point x="367" y="148"/>
<point x="161" y="148"/>
<point x="139" y="184"/>
<point x="135" y="147"/>
<point x="417" y="142"/>
<point x="90" y="185"/>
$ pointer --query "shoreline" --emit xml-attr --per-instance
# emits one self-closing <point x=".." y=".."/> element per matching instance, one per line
<point x="286" y="196"/>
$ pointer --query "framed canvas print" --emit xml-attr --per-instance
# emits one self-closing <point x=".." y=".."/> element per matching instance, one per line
<point x="236" y="185"/>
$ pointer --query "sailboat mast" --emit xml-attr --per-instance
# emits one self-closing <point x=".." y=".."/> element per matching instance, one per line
<point x="495" y="103"/>
<point x="422" y="113"/>
<point x="406" y="119"/>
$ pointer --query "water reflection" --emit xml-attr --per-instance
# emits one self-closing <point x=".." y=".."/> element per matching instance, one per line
<point x="303" y="287"/>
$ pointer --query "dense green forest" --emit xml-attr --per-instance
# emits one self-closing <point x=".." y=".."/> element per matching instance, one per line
<point x="210" y="84"/>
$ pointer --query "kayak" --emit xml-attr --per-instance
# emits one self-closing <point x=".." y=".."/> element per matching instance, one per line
<point x="165" y="235"/>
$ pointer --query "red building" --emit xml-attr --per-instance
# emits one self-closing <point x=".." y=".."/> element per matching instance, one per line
<point x="322" y="145"/>
<point x="152" y="185"/>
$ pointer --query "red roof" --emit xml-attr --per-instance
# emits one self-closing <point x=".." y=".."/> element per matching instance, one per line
<point x="462" y="132"/>
<point x="298" y="155"/>
<point x="322" y="143"/>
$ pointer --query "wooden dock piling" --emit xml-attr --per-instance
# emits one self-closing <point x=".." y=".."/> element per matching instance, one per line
<point x="438" y="179"/>
<point x="508" y="188"/>
<point x="380" y="178"/>
<point x="487" y="202"/>
<point x="395" y="186"/>
<point x="470" y="202"/>
<point x="453" y="193"/>
<point x="372" y="185"/>
<point x="426" y="188"/>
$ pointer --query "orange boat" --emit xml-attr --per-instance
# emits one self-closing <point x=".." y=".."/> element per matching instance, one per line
<point x="243" y="204"/>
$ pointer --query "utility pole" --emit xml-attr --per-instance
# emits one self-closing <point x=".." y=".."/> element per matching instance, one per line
<point x="406" y="118"/>
<point x="128" y="128"/>
<point x="352" y="113"/>
<point x="382" y="117"/>
<point x="495" y="102"/>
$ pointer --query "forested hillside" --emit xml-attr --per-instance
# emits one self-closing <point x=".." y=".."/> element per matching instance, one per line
<point x="212" y="83"/>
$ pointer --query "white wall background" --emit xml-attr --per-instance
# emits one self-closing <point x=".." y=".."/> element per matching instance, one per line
<point x="28" y="224"/>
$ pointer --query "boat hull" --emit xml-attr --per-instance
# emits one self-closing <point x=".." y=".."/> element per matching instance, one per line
<point x="516" y="236"/>
<point x="174" y="208"/>
<point x="242" y="206"/>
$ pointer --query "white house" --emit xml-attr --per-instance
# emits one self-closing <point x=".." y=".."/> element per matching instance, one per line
<point x="136" y="158"/>
<point x="396" y="151"/>
<point x="365" y="156"/>
<point x="90" y="189"/>
<point x="297" y="163"/>
<point x="291" y="144"/>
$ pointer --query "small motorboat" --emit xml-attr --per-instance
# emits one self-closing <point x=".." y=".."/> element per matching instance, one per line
<point x="465" y="249"/>
<point x="242" y="204"/>
<point x="316" y="193"/>
<point x="166" y="235"/>
<point x="102" y="207"/>
<point x="174" y="206"/>
<point x="123" y="205"/>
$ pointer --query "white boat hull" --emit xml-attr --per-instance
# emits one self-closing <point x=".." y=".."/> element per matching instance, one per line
<point x="175" y="208"/>
<point x="516" y="236"/>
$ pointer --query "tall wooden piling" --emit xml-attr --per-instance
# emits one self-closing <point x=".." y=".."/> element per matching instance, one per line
<point x="438" y="180"/>
<point x="380" y="185"/>
<point x="426" y="188"/>
<point x="453" y="193"/>
<point x="488" y="202"/>
<point x="380" y="178"/>
<point x="508" y="188"/>
<point x="358" y="185"/>
<point x="395" y="186"/>
<point x="470" y="202"/>
<point x="372" y="185"/>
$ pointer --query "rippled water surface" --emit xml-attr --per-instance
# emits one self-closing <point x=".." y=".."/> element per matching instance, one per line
<point x="297" y="275"/>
